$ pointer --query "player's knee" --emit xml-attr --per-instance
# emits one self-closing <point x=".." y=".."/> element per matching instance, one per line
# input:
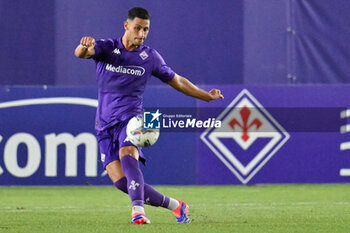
<point x="129" y="150"/>
<point x="114" y="171"/>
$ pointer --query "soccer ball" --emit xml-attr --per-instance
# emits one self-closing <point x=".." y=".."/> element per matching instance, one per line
<point x="140" y="136"/>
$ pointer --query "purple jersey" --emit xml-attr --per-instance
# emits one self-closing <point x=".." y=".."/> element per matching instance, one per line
<point x="122" y="76"/>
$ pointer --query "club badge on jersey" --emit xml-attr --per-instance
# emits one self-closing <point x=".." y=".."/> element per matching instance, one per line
<point x="143" y="55"/>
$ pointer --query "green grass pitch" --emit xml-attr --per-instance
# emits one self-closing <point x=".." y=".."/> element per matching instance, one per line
<point x="271" y="208"/>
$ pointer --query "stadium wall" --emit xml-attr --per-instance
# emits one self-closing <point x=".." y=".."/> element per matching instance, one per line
<point x="226" y="42"/>
<point x="268" y="134"/>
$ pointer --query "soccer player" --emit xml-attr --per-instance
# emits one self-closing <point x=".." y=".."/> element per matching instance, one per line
<point x="123" y="66"/>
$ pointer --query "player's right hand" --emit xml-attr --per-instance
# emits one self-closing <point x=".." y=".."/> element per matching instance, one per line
<point x="87" y="41"/>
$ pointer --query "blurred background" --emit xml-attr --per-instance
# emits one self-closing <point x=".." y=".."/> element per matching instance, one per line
<point x="275" y="53"/>
<point x="211" y="42"/>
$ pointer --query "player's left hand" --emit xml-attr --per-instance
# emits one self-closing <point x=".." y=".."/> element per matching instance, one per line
<point x="215" y="94"/>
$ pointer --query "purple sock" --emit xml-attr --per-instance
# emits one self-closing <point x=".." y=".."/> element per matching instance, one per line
<point x="135" y="183"/>
<point x="121" y="184"/>
<point x="152" y="196"/>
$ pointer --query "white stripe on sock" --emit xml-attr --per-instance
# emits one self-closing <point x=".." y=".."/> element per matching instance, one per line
<point x="173" y="204"/>
<point x="138" y="209"/>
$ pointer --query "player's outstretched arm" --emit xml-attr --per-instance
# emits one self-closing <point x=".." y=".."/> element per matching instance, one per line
<point x="185" y="86"/>
<point x="86" y="48"/>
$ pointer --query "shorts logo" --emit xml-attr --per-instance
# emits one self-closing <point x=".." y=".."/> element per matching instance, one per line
<point x="152" y="120"/>
<point x="103" y="157"/>
<point x="248" y="138"/>
<point x="143" y="55"/>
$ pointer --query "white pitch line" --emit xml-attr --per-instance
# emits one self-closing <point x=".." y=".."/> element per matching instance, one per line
<point x="38" y="207"/>
<point x="270" y="204"/>
<point x="32" y="208"/>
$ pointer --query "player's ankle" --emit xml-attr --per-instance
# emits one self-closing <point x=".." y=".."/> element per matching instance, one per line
<point x="138" y="210"/>
<point x="173" y="204"/>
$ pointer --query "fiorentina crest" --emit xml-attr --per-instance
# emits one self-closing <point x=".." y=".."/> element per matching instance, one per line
<point x="249" y="136"/>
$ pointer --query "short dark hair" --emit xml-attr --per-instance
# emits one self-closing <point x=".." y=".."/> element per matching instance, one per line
<point x="138" y="12"/>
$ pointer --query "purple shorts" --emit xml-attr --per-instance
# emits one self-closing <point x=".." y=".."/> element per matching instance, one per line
<point x="111" y="140"/>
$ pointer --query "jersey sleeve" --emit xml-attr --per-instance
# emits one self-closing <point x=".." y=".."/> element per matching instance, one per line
<point x="103" y="49"/>
<point x="160" y="69"/>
